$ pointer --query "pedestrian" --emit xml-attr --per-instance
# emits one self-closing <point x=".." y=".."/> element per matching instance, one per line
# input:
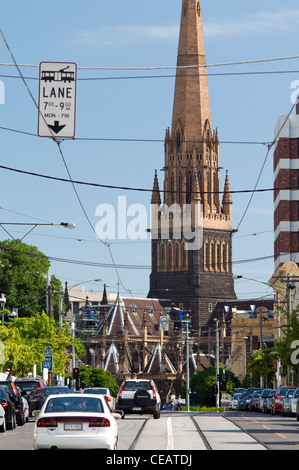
<point x="179" y="402"/>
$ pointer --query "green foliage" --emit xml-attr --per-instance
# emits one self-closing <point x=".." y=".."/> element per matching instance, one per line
<point x="201" y="385"/>
<point x="23" y="270"/>
<point x="25" y="341"/>
<point x="91" y="377"/>
<point x="261" y="365"/>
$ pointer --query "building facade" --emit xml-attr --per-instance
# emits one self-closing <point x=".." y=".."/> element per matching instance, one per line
<point x="286" y="194"/>
<point x="192" y="227"/>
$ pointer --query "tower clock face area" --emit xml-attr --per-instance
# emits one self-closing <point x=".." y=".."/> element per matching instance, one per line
<point x="192" y="278"/>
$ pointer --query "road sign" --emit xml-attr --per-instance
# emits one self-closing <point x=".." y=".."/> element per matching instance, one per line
<point x="48" y="351"/>
<point x="164" y="323"/>
<point x="57" y="99"/>
<point x="48" y="363"/>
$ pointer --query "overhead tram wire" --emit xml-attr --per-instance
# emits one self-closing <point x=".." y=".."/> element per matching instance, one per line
<point x="57" y="141"/>
<point x="167" y="67"/>
<point x="130" y="188"/>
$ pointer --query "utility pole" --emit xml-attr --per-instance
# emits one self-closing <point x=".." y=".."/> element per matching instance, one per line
<point x="187" y="321"/>
<point x="217" y="363"/>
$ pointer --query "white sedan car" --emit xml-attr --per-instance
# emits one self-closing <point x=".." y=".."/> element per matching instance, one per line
<point x="75" y="421"/>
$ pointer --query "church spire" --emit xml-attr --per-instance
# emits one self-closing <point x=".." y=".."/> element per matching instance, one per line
<point x="156" y="198"/>
<point x="191" y="109"/>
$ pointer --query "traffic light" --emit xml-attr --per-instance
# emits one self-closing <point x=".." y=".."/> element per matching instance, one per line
<point x="214" y="389"/>
<point x="76" y="373"/>
<point x="222" y="385"/>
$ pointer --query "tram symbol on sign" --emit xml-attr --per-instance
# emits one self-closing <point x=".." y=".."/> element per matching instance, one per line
<point x="58" y="76"/>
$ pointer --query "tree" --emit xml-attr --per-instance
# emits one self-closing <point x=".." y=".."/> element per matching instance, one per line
<point x="201" y="384"/>
<point x="261" y="365"/>
<point x="90" y="377"/>
<point x="23" y="278"/>
<point x="25" y="341"/>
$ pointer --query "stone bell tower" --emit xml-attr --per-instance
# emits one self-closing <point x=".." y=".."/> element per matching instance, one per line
<point x="196" y="273"/>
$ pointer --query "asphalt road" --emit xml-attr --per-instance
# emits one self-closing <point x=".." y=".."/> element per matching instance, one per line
<point x="194" y="431"/>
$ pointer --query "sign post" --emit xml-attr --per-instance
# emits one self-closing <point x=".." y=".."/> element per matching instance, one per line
<point x="57" y="99"/>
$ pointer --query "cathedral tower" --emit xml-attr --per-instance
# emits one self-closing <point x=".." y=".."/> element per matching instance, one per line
<point x="196" y="273"/>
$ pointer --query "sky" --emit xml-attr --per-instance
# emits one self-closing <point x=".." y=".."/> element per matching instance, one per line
<point x="121" y="117"/>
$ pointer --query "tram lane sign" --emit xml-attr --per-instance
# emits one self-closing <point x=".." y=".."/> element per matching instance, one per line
<point x="57" y="99"/>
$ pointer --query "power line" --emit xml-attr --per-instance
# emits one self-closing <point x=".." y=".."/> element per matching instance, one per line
<point x="119" y="139"/>
<point x="169" y="67"/>
<point x="130" y="188"/>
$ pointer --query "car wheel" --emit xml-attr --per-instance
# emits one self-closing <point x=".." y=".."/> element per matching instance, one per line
<point x="157" y="414"/>
<point x="3" y="427"/>
<point x="142" y="398"/>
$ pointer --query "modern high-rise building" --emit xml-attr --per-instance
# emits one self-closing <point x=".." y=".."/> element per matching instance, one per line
<point x="192" y="227"/>
<point x="286" y="194"/>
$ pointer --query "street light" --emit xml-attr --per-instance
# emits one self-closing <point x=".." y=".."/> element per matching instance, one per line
<point x="69" y="225"/>
<point x="2" y="302"/>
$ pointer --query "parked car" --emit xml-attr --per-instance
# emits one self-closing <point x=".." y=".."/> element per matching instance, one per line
<point x="16" y="398"/>
<point x="2" y="420"/>
<point x="277" y="400"/>
<point x="248" y="396"/>
<point x="241" y="402"/>
<point x="297" y="410"/>
<point x="235" y="401"/>
<point x="226" y="400"/>
<point x="28" y="384"/>
<point x="39" y="395"/>
<point x="253" y="406"/>
<point x="293" y="404"/>
<point x="286" y="403"/>
<point x="75" y="421"/>
<point x="139" y="396"/>
<point x="102" y="391"/>
<point x="263" y="402"/>
<point x="9" y="409"/>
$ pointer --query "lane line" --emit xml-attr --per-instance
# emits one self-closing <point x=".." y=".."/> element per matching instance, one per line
<point x="170" y="443"/>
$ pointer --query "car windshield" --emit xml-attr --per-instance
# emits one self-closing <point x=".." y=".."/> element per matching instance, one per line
<point x="74" y="404"/>
<point x="137" y="386"/>
<point x="282" y="392"/>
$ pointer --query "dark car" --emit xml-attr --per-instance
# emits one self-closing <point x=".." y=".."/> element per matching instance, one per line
<point x="16" y="398"/>
<point x="28" y="384"/>
<point x="10" y="409"/>
<point x="241" y="403"/>
<point x="39" y="395"/>
<point x="248" y="396"/>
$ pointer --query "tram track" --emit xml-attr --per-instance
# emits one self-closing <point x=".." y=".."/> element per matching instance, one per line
<point x="185" y="431"/>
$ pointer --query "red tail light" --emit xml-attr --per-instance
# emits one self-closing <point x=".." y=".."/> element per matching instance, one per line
<point x="47" y="423"/>
<point x="5" y="403"/>
<point x="120" y="390"/>
<point x="99" y="423"/>
<point x="107" y="398"/>
<point x="154" y="392"/>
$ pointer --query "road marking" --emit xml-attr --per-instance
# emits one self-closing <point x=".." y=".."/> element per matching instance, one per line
<point x="280" y="435"/>
<point x="170" y="443"/>
<point x="266" y="427"/>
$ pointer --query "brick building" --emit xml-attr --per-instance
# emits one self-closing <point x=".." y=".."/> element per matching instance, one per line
<point x="193" y="273"/>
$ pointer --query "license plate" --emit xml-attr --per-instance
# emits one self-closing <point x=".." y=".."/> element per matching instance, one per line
<point x="137" y="409"/>
<point x="73" y="426"/>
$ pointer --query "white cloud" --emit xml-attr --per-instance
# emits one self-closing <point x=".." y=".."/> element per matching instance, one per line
<point x="121" y="35"/>
<point x="261" y="22"/>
